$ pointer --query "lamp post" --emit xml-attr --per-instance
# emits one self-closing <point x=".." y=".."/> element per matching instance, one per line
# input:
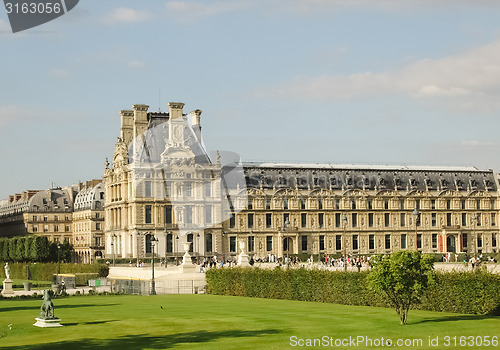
<point x="198" y="249"/>
<point x="153" y="289"/>
<point x="58" y="258"/>
<point x="474" y="237"/>
<point x="176" y="249"/>
<point x="113" y="237"/>
<point x="415" y="214"/>
<point x="344" y="224"/>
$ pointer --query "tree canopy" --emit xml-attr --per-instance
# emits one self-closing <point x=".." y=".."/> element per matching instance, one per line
<point x="403" y="276"/>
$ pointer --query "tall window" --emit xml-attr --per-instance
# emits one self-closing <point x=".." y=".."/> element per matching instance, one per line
<point x="304" y="243"/>
<point x="371" y="242"/>
<point x="148" y="214"/>
<point x="208" y="189"/>
<point x="419" y="241"/>
<point x="269" y="219"/>
<point x="355" y="242"/>
<point x="493" y="219"/>
<point x="387" y="241"/>
<point x="208" y="242"/>
<point x="464" y="219"/>
<point x="386" y="204"/>
<point x="338" y="242"/>
<point x="464" y="240"/>
<point x="268" y="203"/>
<point x="402" y="219"/>
<point x="190" y="237"/>
<point x="250" y="220"/>
<point x="354" y="220"/>
<point x="403" y="241"/>
<point x="370" y="220"/>
<point x="168" y="214"/>
<point x="269" y="243"/>
<point x="448" y="219"/>
<point x="479" y="241"/>
<point x="478" y="204"/>
<point x="232" y="221"/>
<point x="353" y="204"/>
<point x="337" y="204"/>
<point x="250" y="204"/>
<point x="433" y="204"/>
<point x="433" y="219"/>
<point x="208" y="214"/>
<point x="302" y="203"/>
<point x="189" y="214"/>
<point x="321" y="242"/>
<point x="387" y="219"/>
<point x="303" y="220"/>
<point x="170" y="245"/>
<point x="434" y="241"/>
<point x="493" y="239"/>
<point x="448" y="204"/>
<point x="320" y="220"/>
<point x="251" y="243"/>
<point x="337" y="219"/>
<point x="147" y="188"/>
<point x="370" y="204"/>
<point x="188" y="189"/>
<point x="232" y="244"/>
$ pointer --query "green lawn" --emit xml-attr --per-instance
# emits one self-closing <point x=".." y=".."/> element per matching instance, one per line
<point x="218" y="322"/>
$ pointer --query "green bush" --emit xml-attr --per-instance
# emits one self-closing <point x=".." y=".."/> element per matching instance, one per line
<point x="458" y="292"/>
<point x="44" y="271"/>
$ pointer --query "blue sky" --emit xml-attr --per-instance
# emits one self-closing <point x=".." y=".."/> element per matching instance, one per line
<point x="343" y="81"/>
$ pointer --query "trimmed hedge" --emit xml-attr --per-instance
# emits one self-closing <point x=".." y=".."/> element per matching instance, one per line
<point x="458" y="292"/>
<point x="44" y="271"/>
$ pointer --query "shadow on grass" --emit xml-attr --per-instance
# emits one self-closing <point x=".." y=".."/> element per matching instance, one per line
<point x="145" y="341"/>
<point x="56" y="307"/>
<point x="86" y="323"/>
<point x="455" y="318"/>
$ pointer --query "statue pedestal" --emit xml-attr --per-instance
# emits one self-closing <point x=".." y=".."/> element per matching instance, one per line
<point x="7" y="288"/>
<point x="187" y="266"/>
<point x="243" y="260"/>
<point x="40" y="322"/>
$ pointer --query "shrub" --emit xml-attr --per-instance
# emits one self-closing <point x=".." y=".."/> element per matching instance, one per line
<point x="458" y="292"/>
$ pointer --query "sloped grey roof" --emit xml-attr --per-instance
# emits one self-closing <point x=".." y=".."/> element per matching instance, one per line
<point x="51" y="200"/>
<point x="336" y="176"/>
<point x="90" y="198"/>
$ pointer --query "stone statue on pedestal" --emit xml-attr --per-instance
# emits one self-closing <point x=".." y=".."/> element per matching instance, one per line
<point x="47" y="318"/>
<point x="7" y="271"/>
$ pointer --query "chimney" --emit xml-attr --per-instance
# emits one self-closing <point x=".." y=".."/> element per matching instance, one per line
<point x="127" y="121"/>
<point x="195" y="122"/>
<point x="175" y="109"/>
<point x="140" y="119"/>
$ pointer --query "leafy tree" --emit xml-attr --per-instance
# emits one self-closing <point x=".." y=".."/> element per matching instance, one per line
<point x="39" y="249"/>
<point x="403" y="276"/>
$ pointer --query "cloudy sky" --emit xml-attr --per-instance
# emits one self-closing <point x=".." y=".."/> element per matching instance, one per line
<point x="343" y="81"/>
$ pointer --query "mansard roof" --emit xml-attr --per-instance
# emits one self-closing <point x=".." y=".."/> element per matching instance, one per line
<point x="90" y="198"/>
<point x="52" y="200"/>
<point x="368" y="177"/>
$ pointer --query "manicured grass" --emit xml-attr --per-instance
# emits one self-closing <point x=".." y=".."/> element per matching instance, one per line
<point x="219" y="322"/>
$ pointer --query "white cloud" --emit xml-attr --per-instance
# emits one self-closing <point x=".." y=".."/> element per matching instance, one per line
<point x="126" y="15"/>
<point x="467" y="81"/>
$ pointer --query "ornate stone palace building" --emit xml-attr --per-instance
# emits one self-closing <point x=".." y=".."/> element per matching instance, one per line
<point x="163" y="189"/>
<point x="163" y="185"/>
<point x="339" y="209"/>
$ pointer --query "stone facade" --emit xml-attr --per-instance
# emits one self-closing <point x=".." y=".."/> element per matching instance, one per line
<point x="162" y="184"/>
<point x="88" y="223"/>
<point x="335" y="209"/>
